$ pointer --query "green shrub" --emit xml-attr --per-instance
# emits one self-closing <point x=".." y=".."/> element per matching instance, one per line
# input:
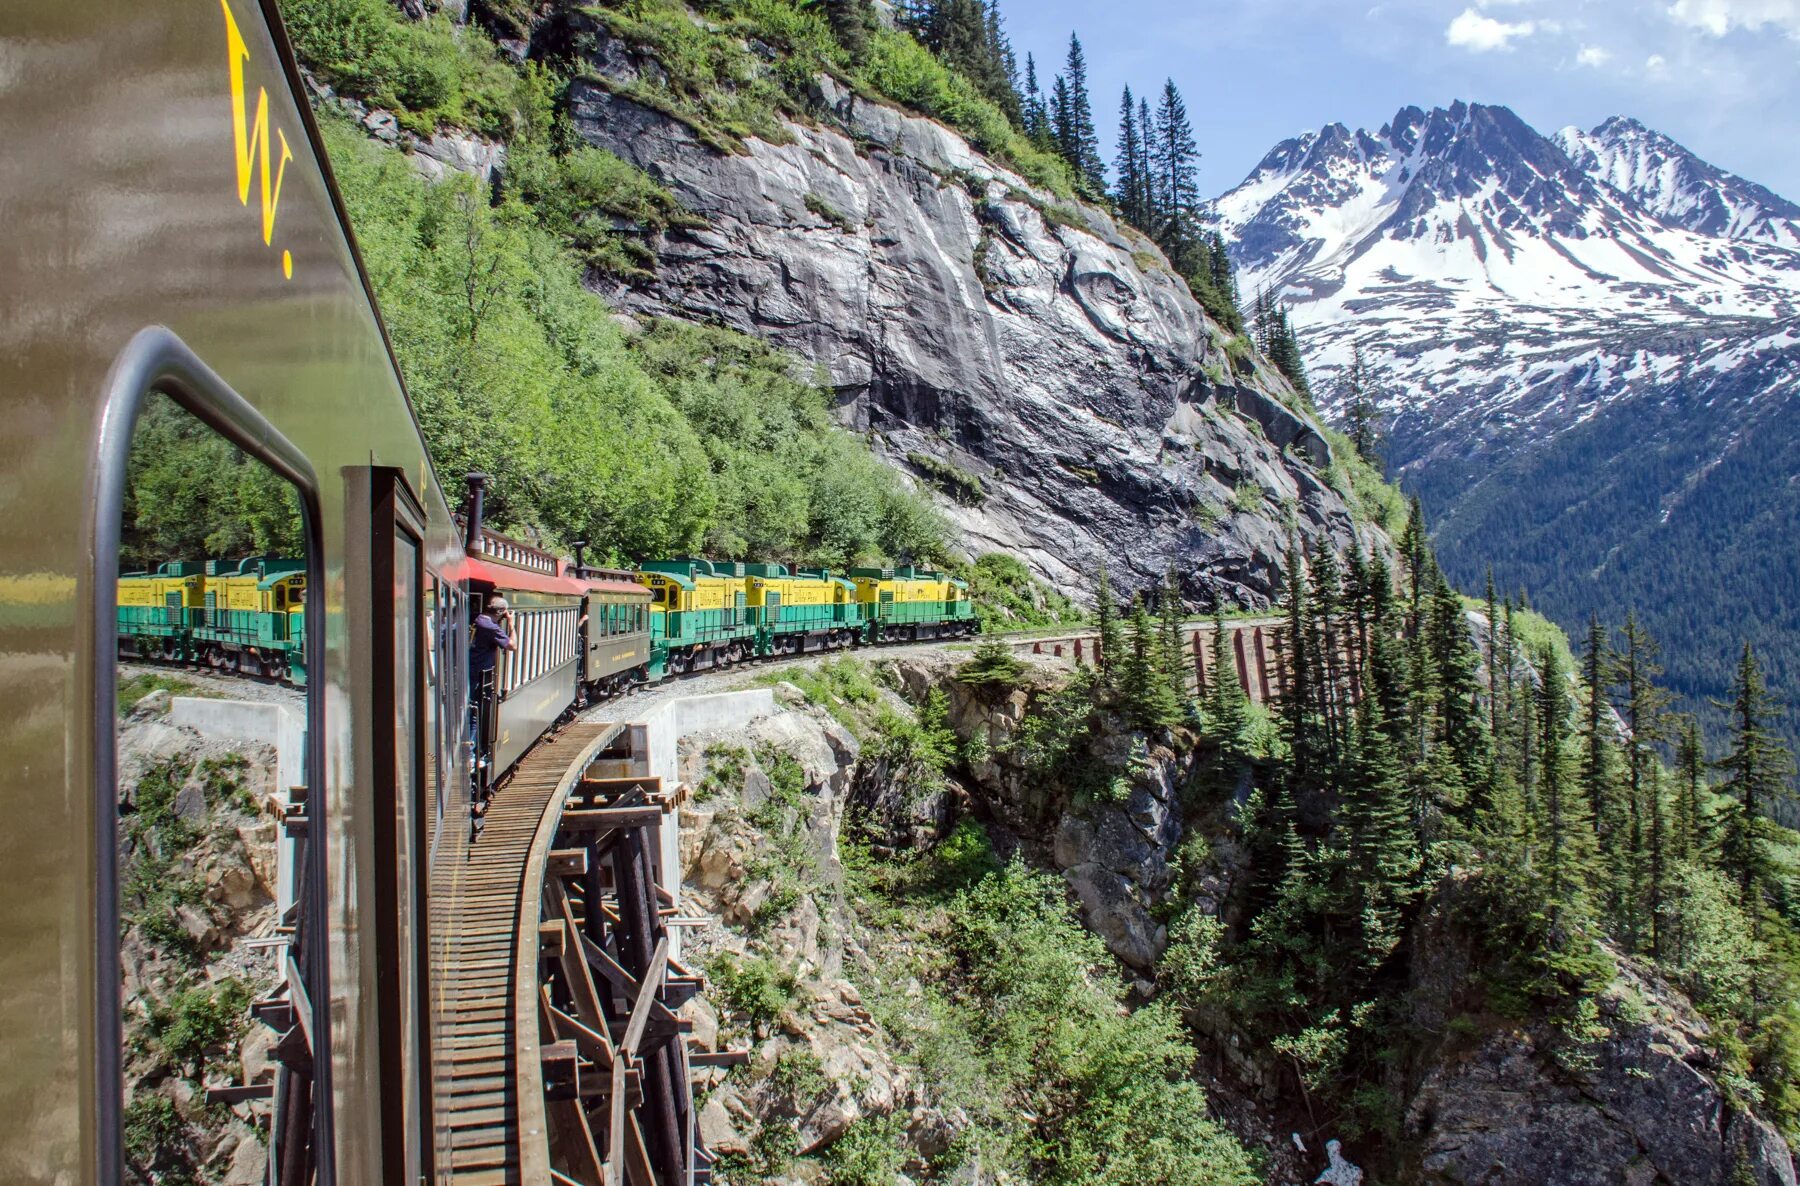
<point x="993" y="665"/>
<point x="195" y="1022"/>
<point x="1008" y="596"/>
<point x="755" y="988"/>
<point x="156" y="1140"/>
<point x="798" y="1077"/>
<point x="871" y="1152"/>
<point x="427" y="72"/>
<point x="959" y="484"/>
<point x="1247" y="498"/>
<point x="830" y="213"/>
<point x="134" y="688"/>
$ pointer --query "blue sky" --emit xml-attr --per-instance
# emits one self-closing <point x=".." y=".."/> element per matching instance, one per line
<point x="1720" y="76"/>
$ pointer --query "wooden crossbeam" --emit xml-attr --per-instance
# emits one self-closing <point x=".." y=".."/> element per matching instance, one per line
<point x="599" y="819"/>
<point x="575" y="968"/>
<point x="637" y="1157"/>
<point x="297" y="998"/>
<point x="237" y="1093"/>
<point x="594" y="1045"/>
<point x="567" y="862"/>
<point x="640" y="1012"/>
<point x="718" y="1058"/>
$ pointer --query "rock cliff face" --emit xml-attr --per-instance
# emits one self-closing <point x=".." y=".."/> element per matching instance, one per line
<point x="971" y="323"/>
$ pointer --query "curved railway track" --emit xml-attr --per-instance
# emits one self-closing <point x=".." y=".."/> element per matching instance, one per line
<point x="488" y="972"/>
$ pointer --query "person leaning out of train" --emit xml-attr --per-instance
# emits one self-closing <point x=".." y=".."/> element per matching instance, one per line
<point x="493" y="634"/>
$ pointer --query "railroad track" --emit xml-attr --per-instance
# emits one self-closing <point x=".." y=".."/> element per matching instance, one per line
<point x="491" y="956"/>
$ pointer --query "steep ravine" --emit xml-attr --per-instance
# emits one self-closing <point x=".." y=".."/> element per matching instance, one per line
<point x="969" y="321"/>
<point x="792" y="812"/>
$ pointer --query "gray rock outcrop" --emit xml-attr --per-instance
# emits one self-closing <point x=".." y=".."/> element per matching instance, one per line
<point x="970" y="320"/>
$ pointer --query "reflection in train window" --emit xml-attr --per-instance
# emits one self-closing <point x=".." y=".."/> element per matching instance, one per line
<point x="212" y="668"/>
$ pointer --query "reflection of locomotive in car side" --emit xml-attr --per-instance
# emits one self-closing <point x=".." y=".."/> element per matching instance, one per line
<point x="247" y="617"/>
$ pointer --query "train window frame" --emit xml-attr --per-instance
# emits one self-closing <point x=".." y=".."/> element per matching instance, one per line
<point x="387" y="515"/>
<point x="157" y="362"/>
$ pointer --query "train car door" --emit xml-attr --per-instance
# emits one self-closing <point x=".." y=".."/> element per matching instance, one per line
<point x="403" y="812"/>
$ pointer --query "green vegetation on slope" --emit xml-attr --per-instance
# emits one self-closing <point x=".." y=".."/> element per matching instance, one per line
<point x="1017" y="1019"/>
<point x="663" y="440"/>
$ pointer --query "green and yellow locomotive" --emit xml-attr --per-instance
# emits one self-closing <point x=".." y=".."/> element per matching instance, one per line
<point x="712" y="613"/>
<point x="240" y="616"/>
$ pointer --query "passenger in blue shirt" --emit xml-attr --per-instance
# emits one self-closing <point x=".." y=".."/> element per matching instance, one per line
<point x="493" y="634"/>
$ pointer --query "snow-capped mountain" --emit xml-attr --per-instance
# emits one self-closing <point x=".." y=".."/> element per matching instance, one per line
<point x="1679" y="187"/>
<point x="1586" y="343"/>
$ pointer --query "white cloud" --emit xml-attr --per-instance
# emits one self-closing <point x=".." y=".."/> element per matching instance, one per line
<point x="1594" y="55"/>
<point x="1719" y="17"/>
<point x="1655" y="63"/>
<point x="1482" y="34"/>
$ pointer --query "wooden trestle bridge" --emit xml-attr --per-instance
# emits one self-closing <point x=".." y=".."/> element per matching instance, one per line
<point x="569" y="1063"/>
<point x="1257" y="648"/>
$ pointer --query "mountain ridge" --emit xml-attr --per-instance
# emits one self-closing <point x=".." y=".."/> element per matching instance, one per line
<point x="1594" y="323"/>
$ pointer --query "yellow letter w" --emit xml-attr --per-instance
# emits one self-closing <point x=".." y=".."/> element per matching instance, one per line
<point x="255" y="137"/>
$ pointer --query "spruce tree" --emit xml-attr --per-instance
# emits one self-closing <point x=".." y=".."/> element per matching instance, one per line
<point x="1081" y="141"/>
<point x="1327" y="648"/>
<point x="1361" y="417"/>
<point x="1564" y="826"/>
<point x="1599" y="774"/>
<point x="1106" y="618"/>
<point x="1171" y="654"/>
<point x="1037" y="114"/>
<point x="1147" y="694"/>
<point x="1381" y="852"/>
<point x="1062" y="124"/>
<point x="1130" y="192"/>
<point x="1147" y="169"/>
<point x="1175" y="160"/>
<point x="1456" y="670"/>
<point x="852" y="22"/>
<point x="1297" y="703"/>
<point x="1226" y="705"/>
<point x="1643" y="709"/>
<point x="1691" y="840"/>
<point x="1756" y="771"/>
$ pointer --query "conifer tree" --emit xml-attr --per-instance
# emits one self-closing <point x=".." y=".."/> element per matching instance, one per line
<point x="1326" y="647"/>
<point x="968" y="36"/>
<point x="1175" y="158"/>
<point x="1171" y="655"/>
<point x="1599" y="774"/>
<point x="1456" y="671"/>
<point x="1297" y="705"/>
<point x="1691" y="839"/>
<point x="1131" y="187"/>
<point x="1037" y="114"/>
<point x="852" y="21"/>
<point x="1078" y="138"/>
<point x="1226" y="709"/>
<point x="1106" y="618"/>
<point x="1381" y="853"/>
<point x="1564" y="826"/>
<point x="1387" y="670"/>
<point x="1361" y="418"/>
<point x="1062" y="123"/>
<point x="1147" y="169"/>
<point x="1756" y="771"/>
<point x="1146" y="689"/>
<point x="1356" y="611"/>
<point x="1642" y="708"/>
